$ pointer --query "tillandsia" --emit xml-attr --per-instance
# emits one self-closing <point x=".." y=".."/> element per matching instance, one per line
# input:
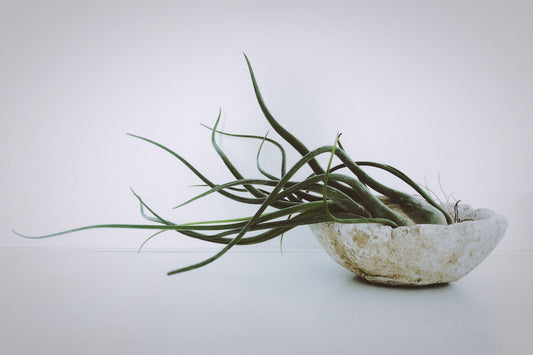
<point x="283" y="202"/>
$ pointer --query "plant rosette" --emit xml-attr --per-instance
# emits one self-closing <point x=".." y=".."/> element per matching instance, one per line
<point x="380" y="233"/>
<point x="416" y="255"/>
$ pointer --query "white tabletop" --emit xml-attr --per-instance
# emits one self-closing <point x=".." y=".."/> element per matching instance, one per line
<point x="253" y="302"/>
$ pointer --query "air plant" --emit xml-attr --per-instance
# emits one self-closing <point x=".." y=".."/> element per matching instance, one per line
<point x="284" y="203"/>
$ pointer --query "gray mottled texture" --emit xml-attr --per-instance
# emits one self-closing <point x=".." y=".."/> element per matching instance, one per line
<point x="416" y="255"/>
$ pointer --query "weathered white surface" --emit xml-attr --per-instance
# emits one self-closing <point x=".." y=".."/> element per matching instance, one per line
<point x="416" y="255"/>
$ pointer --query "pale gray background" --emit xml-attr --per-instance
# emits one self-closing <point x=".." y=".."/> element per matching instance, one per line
<point x="439" y="87"/>
<point x="432" y="87"/>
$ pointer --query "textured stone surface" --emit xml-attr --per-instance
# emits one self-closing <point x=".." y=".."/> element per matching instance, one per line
<point x="417" y="255"/>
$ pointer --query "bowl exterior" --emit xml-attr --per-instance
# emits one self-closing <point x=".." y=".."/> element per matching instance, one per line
<point x="416" y="255"/>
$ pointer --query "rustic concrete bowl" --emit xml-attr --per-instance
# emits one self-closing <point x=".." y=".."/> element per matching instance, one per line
<point x="416" y="255"/>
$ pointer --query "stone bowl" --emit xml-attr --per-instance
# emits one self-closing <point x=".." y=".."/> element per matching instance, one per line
<point x="418" y="255"/>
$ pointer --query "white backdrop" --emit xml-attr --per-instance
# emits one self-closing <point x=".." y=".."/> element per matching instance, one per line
<point x="433" y="88"/>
